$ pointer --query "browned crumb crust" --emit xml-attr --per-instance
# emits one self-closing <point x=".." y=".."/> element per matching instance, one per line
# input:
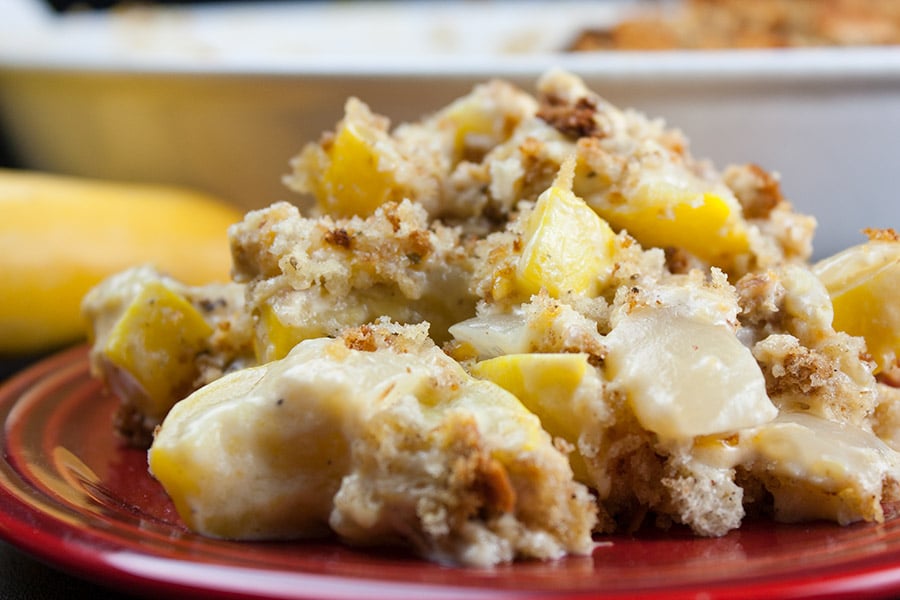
<point x="484" y="482"/>
<point x="802" y="370"/>
<point x="573" y="120"/>
<point x="708" y="24"/>
<point x="881" y="235"/>
<point x="758" y="191"/>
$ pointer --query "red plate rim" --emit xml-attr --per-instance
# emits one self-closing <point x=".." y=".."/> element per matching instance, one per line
<point x="91" y="546"/>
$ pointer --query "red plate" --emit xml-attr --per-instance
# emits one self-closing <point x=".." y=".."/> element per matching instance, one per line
<point x="71" y="495"/>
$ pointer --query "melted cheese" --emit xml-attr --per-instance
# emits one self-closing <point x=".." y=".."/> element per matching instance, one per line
<point x="686" y="377"/>
<point x="823" y="469"/>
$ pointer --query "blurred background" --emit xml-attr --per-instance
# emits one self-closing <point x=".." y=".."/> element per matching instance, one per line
<point x="66" y="5"/>
<point x="220" y="95"/>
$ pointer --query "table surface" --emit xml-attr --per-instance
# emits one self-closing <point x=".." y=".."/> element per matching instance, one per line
<point x="24" y="578"/>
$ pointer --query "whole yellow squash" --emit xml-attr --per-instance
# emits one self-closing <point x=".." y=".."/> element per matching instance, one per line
<point x="61" y="235"/>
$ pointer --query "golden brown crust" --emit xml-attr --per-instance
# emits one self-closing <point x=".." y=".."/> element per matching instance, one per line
<point x="881" y="235"/>
<point x="339" y="237"/>
<point x="486" y="488"/>
<point x="707" y="24"/>
<point x="760" y="295"/>
<point x="573" y="120"/>
<point x="801" y="372"/>
<point x="758" y="191"/>
<point x="360" y="338"/>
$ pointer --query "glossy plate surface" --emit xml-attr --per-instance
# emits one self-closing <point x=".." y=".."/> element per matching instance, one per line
<point x="71" y="495"/>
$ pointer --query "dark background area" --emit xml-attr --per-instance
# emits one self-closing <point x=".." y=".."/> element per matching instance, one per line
<point x="68" y="5"/>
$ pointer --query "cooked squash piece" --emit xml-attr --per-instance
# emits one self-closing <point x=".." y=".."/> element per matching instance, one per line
<point x="566" y="246"/>
<point x="863" y="282"/>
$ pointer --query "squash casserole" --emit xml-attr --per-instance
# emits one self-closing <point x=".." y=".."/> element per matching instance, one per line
<point x="505" y="329"/>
